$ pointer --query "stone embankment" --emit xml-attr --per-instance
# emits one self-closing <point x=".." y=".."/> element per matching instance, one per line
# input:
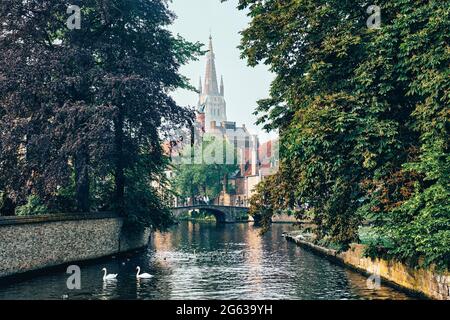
<point x="426" y="282"/>
<point x="32" y="243"/>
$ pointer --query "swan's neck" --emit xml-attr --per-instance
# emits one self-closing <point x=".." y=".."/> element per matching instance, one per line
<point x="138" y="271"/>
<point x="104" y="274"/>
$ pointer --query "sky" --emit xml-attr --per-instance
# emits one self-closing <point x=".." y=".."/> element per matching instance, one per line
<point x="244" y="85"/>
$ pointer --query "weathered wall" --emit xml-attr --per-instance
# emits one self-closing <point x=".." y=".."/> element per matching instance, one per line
<point x="283" y="218"/>
<point x="425" y="281"/>
<point x="32" y="243"/>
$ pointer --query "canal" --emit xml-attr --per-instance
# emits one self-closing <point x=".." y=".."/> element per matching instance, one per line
<point x="208" y="261"/>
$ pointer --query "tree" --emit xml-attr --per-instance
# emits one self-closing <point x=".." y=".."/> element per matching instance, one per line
<point x="92" y="103"/>
<point x="209" y="176"/>
<point x="362" y="114"/>
<point x="418" y="222"/>
<point x="37" y="75"/>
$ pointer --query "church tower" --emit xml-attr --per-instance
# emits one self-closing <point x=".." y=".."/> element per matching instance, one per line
<point x="211" y="101"/>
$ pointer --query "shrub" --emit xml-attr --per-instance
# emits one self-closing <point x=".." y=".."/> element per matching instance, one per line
<point x="33" y="207"/>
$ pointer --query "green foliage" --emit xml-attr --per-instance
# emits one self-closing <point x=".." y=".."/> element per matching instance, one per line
<point x="83" y="111"/>
<point x="207" y="177"/>
<point x="64" y="200"/>
<point x="200" y="215"/>
<point x="363" y="119"/>
<point x="144" y="205"/>
<point x="33" y="207"/>
<point x="420" y="228"/>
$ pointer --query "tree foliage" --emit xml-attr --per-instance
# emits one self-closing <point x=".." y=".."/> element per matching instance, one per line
<point x="363" y="116"/>
<point x="87" y="108"/>
<point x="207" y="177"/>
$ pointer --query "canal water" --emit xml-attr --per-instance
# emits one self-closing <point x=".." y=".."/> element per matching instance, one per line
<point x="209" y="261"/>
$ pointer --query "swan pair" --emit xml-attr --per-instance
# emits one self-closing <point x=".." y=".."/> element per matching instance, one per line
<point x="113" y="276"/>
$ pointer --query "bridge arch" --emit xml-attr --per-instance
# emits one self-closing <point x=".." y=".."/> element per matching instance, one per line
<point x="223" y="214"/>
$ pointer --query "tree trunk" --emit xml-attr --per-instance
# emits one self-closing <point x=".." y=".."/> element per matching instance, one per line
<point x="120" y="168"/>
<point x="82" y="180"/>
<point x="7" y="207"/>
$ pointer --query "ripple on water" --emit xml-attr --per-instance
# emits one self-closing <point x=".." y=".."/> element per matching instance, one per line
<point x="205" y="261"/>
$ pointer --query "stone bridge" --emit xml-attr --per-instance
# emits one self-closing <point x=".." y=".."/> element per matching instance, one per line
<point x="223" y="214"/>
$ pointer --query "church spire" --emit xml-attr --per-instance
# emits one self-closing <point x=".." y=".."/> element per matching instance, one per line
<point x="222" y="87"/>
<point x="200" y="86"/>
<point x="211" y="87"/>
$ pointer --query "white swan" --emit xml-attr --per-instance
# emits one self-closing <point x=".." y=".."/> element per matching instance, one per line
<point x="142" y="275"/>
<point x="107" y="277"/>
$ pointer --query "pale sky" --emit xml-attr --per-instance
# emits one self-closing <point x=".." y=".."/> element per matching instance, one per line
<point x="243" y="85"/>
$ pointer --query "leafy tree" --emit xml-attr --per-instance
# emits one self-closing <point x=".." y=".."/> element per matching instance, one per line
<point x="89" y="104"/>
<point x="363" y="116"/>
<point x="419" y="223"/>
<point x="207" y="177"/>
<point x="34" y="80"/>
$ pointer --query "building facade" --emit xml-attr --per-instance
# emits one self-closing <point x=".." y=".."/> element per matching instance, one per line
<point x="254" y="160"/>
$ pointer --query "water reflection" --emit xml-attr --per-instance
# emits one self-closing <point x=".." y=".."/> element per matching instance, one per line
<point x="208" y="261"/>
<point x="109" y="289"/>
